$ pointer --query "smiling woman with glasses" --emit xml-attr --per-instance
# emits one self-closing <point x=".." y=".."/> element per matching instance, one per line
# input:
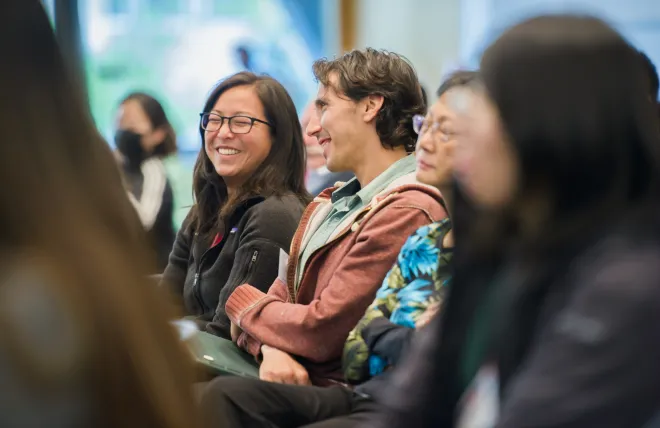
<point x="248" y="197"/>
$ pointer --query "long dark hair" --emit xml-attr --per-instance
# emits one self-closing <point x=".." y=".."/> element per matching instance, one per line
<point x="158" y="118"/>
<point x="65" y="212"/>
<point x="573" y="99"/>
<point x="282" y="172"/>
<point x="572" y="96"/>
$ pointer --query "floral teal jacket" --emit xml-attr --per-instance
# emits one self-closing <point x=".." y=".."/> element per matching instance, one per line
<point x="415" y="282"/>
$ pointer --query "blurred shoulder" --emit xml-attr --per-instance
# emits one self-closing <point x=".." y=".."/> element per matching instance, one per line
<point x="418" y="196"/>
<point x="622" y="267"/>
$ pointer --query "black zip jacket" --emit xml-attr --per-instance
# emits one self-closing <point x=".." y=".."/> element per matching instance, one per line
<point x="205" y="277"/>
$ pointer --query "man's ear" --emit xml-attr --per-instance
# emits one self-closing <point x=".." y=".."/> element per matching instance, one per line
<point x="372" y="105"/>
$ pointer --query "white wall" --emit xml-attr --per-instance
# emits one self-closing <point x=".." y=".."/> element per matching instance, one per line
<point x="438" y="35"/>
<point x="481" y="20"/>
<point x="424" y="31"/>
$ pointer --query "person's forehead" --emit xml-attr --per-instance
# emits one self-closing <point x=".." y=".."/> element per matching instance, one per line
<point x="132" y="112"/>
<point x="330" y="87"/>
<point x="441" y="108"/>
<point x="132" y="107"/>
<point x="460" y="100"/>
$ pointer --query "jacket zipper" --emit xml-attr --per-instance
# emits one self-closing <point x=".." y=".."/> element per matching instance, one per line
<point x="197" y="290"/>
<point x="196" y="279"/>
<point x="253" y="261"/>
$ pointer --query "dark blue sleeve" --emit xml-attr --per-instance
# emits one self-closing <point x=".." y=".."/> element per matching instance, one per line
<point x="386" y="339"/>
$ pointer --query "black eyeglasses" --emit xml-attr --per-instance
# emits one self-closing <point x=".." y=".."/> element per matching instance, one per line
<point x="237" y="124"/>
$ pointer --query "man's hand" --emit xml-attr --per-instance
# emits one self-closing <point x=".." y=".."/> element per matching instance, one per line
<point x="235" y="332"/>
<point x="278" y="366"/>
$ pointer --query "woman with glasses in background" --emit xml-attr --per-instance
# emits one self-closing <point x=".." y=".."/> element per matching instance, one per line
<point x="249" y="188"/>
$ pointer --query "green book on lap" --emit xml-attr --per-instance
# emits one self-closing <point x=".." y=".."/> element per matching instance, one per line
<point x="221" y="356"/>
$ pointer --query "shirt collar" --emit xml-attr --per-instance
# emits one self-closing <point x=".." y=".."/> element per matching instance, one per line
<point x="399" y="168"/>
<point x="350" y="188"/>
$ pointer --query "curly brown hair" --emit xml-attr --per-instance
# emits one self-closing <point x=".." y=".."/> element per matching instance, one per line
<point x="361" y="73"/>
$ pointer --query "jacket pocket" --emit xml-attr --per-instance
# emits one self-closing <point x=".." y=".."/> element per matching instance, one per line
<point x="251" y="264"/>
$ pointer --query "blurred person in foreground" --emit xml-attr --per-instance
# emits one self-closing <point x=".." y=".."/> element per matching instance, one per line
<point x="553" y="317"/>
<point x="144" y="137"/>
<point x="85" y="341"/>
<point x="318" y="177"/>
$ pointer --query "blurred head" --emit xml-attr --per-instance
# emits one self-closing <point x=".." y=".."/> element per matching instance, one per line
<point x="551" y="128"/>
<point x="90" y="244"/>
<point x="365" y="102"/>
<point x="143" y="127"/>
<point x="244" y="118"/>
<point x="484" y="162"/>
<point x="437" y="131"/>
<point x="314" y="151"/>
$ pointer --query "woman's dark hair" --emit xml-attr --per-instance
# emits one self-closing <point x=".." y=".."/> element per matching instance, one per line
<point x="156" y="114"/>
<point x="88" y="251"/>
<point x="282" y="172"/>
<point x="573" y="99"/>
<point x="572" y="96"/>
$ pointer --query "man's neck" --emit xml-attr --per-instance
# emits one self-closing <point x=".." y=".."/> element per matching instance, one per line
<point x="377" y="163"/>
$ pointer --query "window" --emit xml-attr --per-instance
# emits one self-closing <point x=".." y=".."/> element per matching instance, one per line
<point x="116" y="7"/>
<point x="145" y="45"/>
<point x="230" y="7"/>
<point x="179" y="64"/>
<point x="165" y="7"/>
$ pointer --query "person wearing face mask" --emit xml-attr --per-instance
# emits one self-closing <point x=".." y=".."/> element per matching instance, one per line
<point x="144" y="137"/>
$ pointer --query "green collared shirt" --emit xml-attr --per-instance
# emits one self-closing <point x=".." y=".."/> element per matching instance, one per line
<point x="347" y="200"/>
